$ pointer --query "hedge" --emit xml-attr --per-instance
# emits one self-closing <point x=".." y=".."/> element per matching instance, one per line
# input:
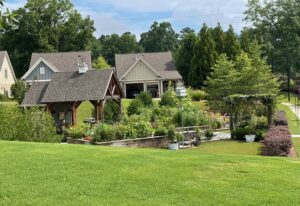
<point x="278" y="141"/>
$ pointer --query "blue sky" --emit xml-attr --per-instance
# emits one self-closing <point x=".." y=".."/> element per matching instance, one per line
<point x="136" y="16"/>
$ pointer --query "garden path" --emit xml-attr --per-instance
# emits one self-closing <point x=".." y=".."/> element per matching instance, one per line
<point x="296" y="111"/>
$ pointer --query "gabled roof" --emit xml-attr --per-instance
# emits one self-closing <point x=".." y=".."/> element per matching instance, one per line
<point x="161" y="62"/>
<point x="35" y="94"/>
<point x="63" y="61"/>
<point x="2" y="56"/>
<point x="72" y="86"/>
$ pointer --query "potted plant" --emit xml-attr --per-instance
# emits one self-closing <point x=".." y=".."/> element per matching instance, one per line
<point x="173" y="143"/>
<point x="250" y="134"/>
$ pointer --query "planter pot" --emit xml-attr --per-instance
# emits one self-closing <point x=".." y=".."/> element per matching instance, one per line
<point x="173" y="146"/>
<point x="250" y="138"/>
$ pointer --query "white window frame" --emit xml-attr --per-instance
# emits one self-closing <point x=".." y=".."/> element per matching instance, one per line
<point x="42" y="71"/>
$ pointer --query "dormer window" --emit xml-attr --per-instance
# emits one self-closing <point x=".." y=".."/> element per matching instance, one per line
<point x="42" y="70"/>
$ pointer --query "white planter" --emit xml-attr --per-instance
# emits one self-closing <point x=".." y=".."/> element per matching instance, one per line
<point x="250" y="138"/>
<point x="173" y="146"/>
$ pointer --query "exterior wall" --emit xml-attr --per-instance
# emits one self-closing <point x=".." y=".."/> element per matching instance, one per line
<point x="65" y="108"/>
<point x="5" y="83"/>
<point x="36" y="75"/>
<point x="141" y="72"/>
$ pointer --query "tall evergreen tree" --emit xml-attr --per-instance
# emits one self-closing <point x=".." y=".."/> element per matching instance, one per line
<point x="184" y="54"/>
<point x="245" y="40"/>
<point x="204" y="58"/>
<point x="219" y="38"/>
<point x="232" y="45"/>
<point x="160" y="37"/>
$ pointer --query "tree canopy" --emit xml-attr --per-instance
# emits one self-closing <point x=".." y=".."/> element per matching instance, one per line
<point x="160" y="37"/>
<point x="249" y="74"/>
<point x="49" y="26"/>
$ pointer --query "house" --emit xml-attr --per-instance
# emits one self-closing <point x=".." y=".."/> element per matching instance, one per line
<point x="7" y="74"/>
<point x="63" y="94"/>
<point x="43" y="66"/>
<point x="146" y="72"/>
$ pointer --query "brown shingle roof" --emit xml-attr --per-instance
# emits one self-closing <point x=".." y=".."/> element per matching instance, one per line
<point x="162" y="62"/>
<point x="72" y="86"/>
<point x="35" y="94"/>
<point x="63" y="61"/>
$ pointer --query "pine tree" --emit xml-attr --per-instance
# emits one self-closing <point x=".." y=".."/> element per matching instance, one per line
<point x="184" y="54"/>
<point x="232" y="45"/>
<point x="219" y="38"/>
<point x="203" y="59"/>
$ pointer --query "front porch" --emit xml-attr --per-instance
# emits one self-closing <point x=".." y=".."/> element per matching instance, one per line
<point x="156" y="88"/>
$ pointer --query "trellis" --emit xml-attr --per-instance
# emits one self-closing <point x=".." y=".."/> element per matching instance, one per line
<point x="237" y="102"/>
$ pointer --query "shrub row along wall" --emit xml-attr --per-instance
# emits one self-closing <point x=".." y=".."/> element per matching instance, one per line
<point x="278" y="140"/>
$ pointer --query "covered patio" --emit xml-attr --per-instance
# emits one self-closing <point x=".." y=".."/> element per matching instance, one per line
<point x="67" y="90"/>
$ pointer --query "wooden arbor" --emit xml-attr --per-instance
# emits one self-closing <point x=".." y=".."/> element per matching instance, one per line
<point x="237" y="103"/>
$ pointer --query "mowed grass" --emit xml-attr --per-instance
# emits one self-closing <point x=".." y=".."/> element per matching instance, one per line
<point x="231" y="147"/>
<point x="9" y="103"/>
<point x="53" y="174"/>
<point x="296" y="142"/>
<point x="294" y="123"/>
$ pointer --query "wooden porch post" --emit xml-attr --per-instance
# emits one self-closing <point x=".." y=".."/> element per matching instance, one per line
<point x="49" y="108"/>
<point x="74" y="117"/>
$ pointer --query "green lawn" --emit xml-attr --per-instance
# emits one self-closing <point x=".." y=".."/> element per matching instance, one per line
<point x="230" y="147"/>
<point x="53" y="174"/>
<point x="294" y="124"/>
<point x="85" y="110"/>
<point x="296" y="142"/>
<point x="9" y="103"/>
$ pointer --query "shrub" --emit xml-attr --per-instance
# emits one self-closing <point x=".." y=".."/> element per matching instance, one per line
<point x="240" y="132"/>
<point x="111" y="111"/>
<point x="31" y="125"/>
<point x="168" y="98"/>
<point x="278" y="141"/>
<point x="280" y="118"/>
<point x="171" y="134"/>
<point x="104" y="132"/>
<point x="135" y="107"/>
<point x="209" y="134"/>
<point x="18" y="91"/>
<point x="4" y="97"/>
<point x="160" y="131"/>
<point x="198" y="95"/>
<point x="76" y="132"/>
<point x="146" y="98"/>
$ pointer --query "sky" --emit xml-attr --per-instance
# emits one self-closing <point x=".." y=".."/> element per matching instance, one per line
<point x="136" y="16"/>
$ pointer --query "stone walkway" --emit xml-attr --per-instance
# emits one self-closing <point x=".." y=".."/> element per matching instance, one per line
<point x="220" y="136"/>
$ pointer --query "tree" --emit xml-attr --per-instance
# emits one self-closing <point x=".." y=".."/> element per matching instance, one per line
<point x="184" y="53"/>
<point x="277" y="24"/>
<point x="115" y="44"/>
<point x="161" y="37"/>
<point x="204" y="58"/>
<point x="245" y="40"/>
<point x="232" y="45"/>
<point x="6" y="18"/>
<point x="100" y="63"/>
<point x="45" y="26"/>
<point x="219" y="39"/>
<point x="18" y="91"/>
<point x="249" y="74"/>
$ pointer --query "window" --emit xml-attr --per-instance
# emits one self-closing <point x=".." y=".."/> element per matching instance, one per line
<point x="42" y="70"/>
<point x="6" y="73"/>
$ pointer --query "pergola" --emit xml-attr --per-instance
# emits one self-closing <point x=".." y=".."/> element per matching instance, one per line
<point x="237" y="102"/>
<point x="67" y="90"/>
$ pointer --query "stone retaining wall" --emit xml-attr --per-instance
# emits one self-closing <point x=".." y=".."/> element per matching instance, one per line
<point x="150" y="142"/>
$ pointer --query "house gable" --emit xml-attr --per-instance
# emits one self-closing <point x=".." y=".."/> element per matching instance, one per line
<point x="41" y="71"/>
<point x="140" y="70"/>
<point x="7" y="75"/>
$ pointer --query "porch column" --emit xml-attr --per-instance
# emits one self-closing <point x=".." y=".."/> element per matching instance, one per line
<point x="145" y="86"/>
<point x="74" y="117"/>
